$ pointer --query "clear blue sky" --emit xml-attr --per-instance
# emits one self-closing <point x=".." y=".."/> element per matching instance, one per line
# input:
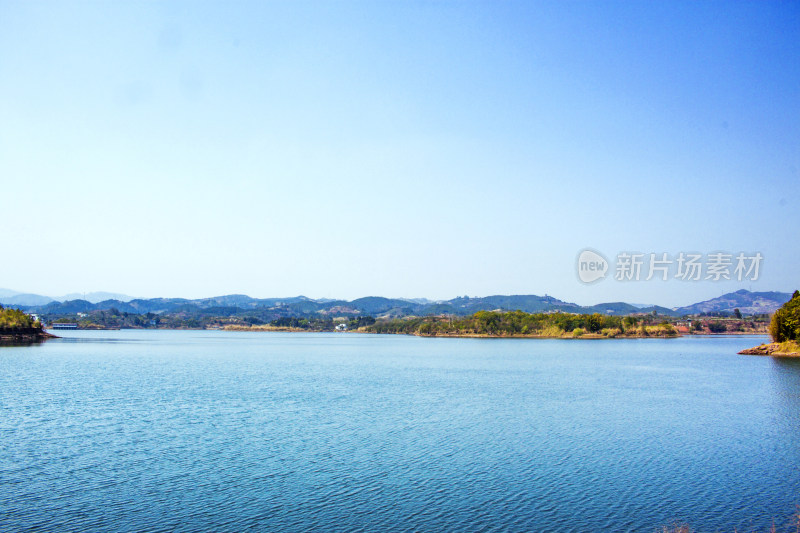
<point x="436" y="149"/>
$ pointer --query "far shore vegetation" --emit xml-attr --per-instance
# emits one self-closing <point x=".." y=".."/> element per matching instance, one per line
<point x="498" y="323"/>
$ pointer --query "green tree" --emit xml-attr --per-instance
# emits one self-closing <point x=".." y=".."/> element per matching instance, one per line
<point x="785" y="323"/>
<point x="717" y="327"/>
<point x="594" y="322"/>
<point x="630" y="322"/>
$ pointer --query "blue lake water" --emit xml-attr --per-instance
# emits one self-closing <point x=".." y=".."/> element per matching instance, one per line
<point x="232" y="431"/>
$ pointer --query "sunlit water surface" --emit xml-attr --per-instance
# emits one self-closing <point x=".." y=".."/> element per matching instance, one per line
<point x="228" y="431"/>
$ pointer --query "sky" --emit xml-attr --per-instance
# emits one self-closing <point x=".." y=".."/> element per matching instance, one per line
<point x="402" y="149"/>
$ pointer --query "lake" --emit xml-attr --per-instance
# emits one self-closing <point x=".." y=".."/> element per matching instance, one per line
<point x="230" y="431"/>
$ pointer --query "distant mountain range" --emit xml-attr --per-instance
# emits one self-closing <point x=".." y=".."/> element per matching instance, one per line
<point x="9" y="297"/>
<point x="269" y="308"/>
<point x="747" y="302"/>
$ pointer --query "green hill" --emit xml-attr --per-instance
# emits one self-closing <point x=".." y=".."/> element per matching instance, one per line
<point x="745" y="301"/>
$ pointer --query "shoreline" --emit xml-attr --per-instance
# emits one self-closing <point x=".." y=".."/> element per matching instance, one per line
<point x="12" y="339"/>
<point x="566" y="336"/>
<point x="282" y="329"/>
<point x="774" y="349"/>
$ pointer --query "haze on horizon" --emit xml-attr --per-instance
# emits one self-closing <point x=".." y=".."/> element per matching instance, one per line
<point x="415" y="149"/>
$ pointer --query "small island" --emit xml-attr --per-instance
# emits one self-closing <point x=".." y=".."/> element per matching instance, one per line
<point x="784" y="328"/>
<point x="17" y="327"/>
<point x="521" y="324"/>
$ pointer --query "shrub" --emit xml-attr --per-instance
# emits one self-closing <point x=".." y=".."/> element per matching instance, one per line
<point x="611" y="332"/>
<point x="577" y="332"/>
<point x="552" y="331"/>
<point x="717" y="327"/>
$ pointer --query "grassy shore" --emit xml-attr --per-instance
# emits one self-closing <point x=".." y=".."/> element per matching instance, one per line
<point x="261" y="327"/>
<point x="775" y="349"/>
<point x="654" y="332"/>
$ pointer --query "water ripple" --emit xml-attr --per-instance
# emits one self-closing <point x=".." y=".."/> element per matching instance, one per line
<point x="344" y="433"/>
